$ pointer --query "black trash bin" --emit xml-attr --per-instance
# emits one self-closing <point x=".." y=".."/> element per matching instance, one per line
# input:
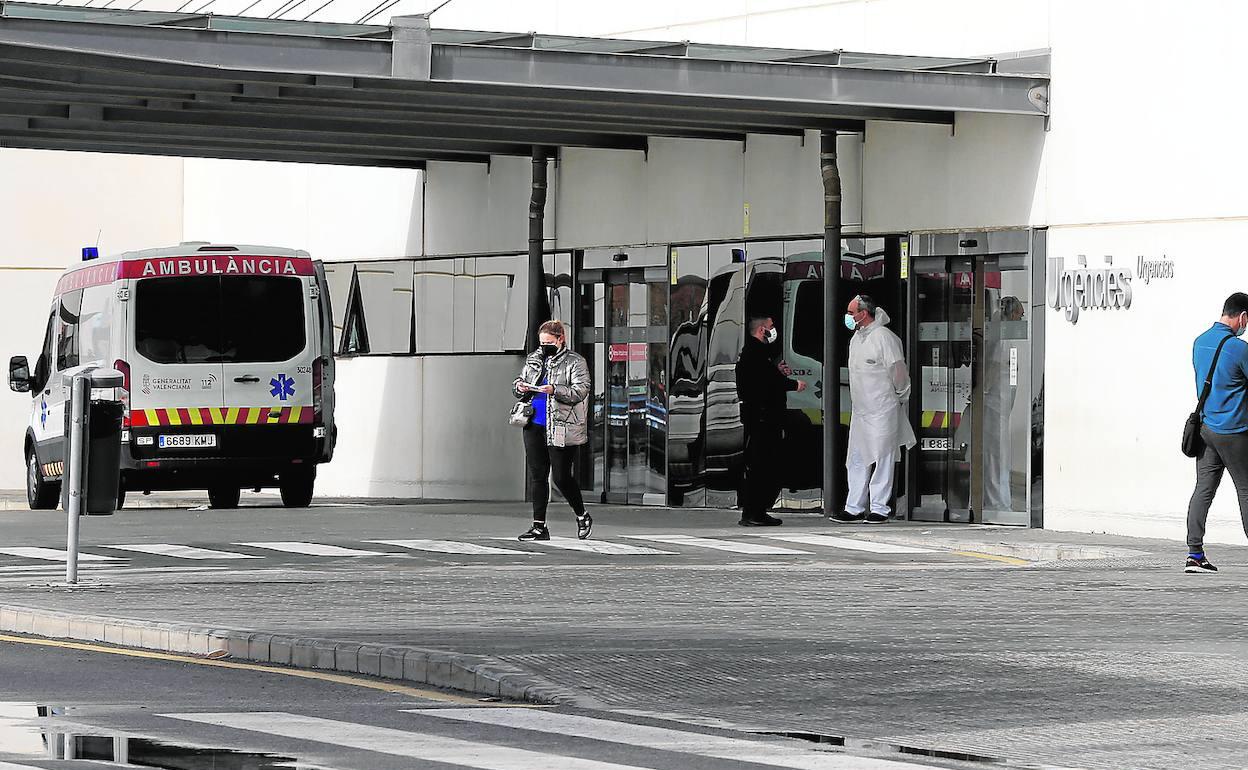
<point x="103" y="458"/>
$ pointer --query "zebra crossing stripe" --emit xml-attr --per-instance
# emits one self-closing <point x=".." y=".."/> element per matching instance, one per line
<point x="181" y="551"/>
<point x="51" y="554"/>
<point x="451" y="546"/>
<point x="11" y="766"/>
<point x="601" y="546"/>
<point x="771" y="753"/>
<point x="399" y="743"/>
<point x="849" y="543"/>
<point x="313" y="549"/>
<point x="734" y="546"/>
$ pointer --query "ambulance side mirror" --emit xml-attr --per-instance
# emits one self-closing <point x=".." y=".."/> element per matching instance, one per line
<point x="19" y="374"/>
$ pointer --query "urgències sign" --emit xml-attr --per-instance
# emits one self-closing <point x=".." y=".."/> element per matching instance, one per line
<point x="1103" y="288"/>
<point x="1106" y="288"/>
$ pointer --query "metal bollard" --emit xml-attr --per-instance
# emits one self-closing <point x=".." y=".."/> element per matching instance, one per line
<point x="76" y="460"/>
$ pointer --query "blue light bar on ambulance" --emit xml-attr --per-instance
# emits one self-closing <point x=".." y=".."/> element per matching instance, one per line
<point x="90" y="252"/>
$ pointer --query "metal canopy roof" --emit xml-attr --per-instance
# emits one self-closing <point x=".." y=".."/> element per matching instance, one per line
<point x="185" y="84"/>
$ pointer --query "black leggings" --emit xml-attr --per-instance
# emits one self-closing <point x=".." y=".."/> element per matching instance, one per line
<point x="545" y="463"/>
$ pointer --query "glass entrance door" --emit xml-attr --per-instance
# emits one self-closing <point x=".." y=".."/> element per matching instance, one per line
<point x="624" y="337"/>
<point x="971" y="364"/>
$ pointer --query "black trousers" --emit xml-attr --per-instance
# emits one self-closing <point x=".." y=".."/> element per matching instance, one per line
<point x="760" y="487"/>
<point x="546" y="463"/>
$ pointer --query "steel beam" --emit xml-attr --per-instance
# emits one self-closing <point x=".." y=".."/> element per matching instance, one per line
<point x="539" y="305"/>
<point x="831" y="400"/>
<point x="536" y="71"/>
<point x="389" y="146"/>
<point x="39" y="140"/>
<point x="863" y="87"/>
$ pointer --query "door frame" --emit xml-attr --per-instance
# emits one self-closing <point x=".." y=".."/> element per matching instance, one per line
<point x="980" y="252"/>
<point x="587" y="334"/>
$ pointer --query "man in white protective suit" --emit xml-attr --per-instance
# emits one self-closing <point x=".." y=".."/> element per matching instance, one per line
<point x="879" y="387"/>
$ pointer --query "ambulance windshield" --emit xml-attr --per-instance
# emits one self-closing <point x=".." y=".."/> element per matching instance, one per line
<point x="211" y="319"/>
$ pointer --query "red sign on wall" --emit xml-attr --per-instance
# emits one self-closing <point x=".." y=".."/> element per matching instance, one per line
<point x="619" y="352"/>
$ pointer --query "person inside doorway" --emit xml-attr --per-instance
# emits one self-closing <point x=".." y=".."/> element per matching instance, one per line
<point x="557" y="381"/>
<point x="879" y="388"/>
<point x="1000" y="390"/>
<point x="763" y="385"/>
<point x="1220" y="355"/>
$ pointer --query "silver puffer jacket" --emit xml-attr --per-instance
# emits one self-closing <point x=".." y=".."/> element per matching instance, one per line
<point x="568" y="406"/>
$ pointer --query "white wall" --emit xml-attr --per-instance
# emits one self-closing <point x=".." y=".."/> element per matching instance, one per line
<point x="474" y="208"/>
<point x="334" y="212"/>
<point x="1119" y="383"/>
<point x="51" y="205"/>
<point x="1116" y="157"/>
<point x="987" y="172"/>
<point x="1123" y="180"/>
<point x="431" y="426"/>
<point x="682" y="190"/>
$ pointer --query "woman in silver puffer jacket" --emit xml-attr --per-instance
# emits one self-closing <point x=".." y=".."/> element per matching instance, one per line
<point x="557" y="381"/>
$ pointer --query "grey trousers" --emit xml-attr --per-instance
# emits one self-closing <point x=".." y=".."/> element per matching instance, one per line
<point x="1222" y="452"/>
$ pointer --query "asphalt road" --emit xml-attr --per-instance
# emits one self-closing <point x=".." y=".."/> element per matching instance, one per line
<point x="63" y="705"/>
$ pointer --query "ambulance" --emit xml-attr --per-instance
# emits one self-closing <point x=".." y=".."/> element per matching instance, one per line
<point x="227" y="357"/>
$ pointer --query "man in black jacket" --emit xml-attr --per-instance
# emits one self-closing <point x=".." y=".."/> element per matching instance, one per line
<point x="762" y="386"/>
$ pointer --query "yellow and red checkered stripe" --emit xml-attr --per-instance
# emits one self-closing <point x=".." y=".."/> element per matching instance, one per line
<point x="234" y="415"/>
<point x="941" y="419"/>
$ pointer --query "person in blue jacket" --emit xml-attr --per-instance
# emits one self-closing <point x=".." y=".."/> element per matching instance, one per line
<point x="1225" y="428"/>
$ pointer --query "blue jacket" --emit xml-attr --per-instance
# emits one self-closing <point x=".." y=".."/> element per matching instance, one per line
<point x="1226" y="411"/>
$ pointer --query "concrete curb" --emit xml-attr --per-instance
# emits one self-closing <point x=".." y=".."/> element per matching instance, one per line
<point x="475" y="674"/>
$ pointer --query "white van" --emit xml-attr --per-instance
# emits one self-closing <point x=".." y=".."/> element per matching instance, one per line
<point x="227" y="353"/>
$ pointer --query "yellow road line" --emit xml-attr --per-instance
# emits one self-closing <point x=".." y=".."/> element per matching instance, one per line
<point x="992" y="557"/>
<point x="322" y="676"/>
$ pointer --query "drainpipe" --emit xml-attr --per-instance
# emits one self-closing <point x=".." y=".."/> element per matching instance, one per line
<point x="831" y="316"/>
<point x="539" y="304"/>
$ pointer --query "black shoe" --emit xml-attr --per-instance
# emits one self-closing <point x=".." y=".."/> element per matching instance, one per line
<point x="1197" y="566"/>
<point x="761" y="520"/>
<point x="536" y="532"/>
<point x="584" y="525"/>
<point x="876" y="518"/>
<point x="845" y="517"/>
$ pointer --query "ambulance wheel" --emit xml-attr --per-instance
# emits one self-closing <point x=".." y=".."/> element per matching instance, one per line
<point x="224" y="497"/>
<point x="41" y="494"/>
<point x="296" y="487"/>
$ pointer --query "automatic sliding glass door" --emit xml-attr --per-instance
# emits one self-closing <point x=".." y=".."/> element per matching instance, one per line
<point x="628" y="340"/>
<point x="971" y="364"/>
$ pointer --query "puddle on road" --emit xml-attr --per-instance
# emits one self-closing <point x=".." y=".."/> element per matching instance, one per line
<point x="26" y="732"/>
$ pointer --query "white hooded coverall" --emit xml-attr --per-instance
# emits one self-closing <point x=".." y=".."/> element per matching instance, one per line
<point x="879" y="388"/>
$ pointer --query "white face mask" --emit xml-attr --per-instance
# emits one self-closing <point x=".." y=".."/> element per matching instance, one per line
<point x="771" y="335"/>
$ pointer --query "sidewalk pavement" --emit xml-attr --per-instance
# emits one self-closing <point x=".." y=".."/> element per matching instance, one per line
<point x="1065" y="649"/>
<point x="15" y="500"/>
